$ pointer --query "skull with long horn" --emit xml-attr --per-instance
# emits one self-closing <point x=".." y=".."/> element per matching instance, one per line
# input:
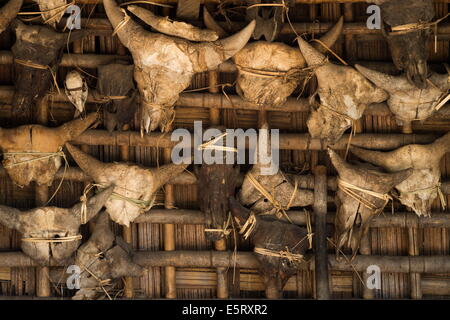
<point x="37" y="53"/>
<point x="164" y="65"/>
<point x="407" y="102"/>
<point x="268" y="72"/>
<point x="407" y="29"/>
<point x="33" y="152"/>
<point x="8" y="12"/>
<point x="135" y="186"/>
<point x="50" y="235"/>
<point x="279" y="246"/>
<point x="362" y="194"/>
<point x="104" y="259"/>
<point x="344" y="95"/>
<point x="266" y="188"/>
<point x="422" y="187"/>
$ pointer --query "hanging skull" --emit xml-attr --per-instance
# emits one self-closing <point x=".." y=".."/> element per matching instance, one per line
<point x="76" y="91"/>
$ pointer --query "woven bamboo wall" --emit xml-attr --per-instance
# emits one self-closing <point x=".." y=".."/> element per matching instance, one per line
<point x="200" y="282"/>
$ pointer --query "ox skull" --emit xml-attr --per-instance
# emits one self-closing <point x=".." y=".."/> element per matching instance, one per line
<point x="19" y="144"/>
<point x="164" y="65"/>
<point x="135" y="186"/>
<point x="274" y="235"/>
<point x="344" y="95"/>
<point x="406" y="101"/>
<point x="355" y="212"/>
<point x="103" y="259"/>
<point x="76" y="90"/>
<point x="420" y="189"/>
<point x="51" y="223"/>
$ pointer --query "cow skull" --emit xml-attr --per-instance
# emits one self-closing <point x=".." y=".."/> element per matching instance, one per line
<point x="103" y="259"/>
<point x="344" y="95"/>
<point x="76" y="90"/>
<point x="32" y="152"/>
<point x="164" y="65"/>
<point x="358" y="203"/>
<point x="50" y="234"/>
<point x="421" y="188"/>
<point x="135" y="187"/>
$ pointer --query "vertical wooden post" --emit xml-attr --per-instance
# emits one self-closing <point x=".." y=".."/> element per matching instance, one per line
<point x="320" y="241"/>
<point x="42" y="273"/>
<point x="220" y="245"/>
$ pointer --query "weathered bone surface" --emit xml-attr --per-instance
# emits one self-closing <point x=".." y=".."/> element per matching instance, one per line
<point x="269" y="19"/>
<point x="274" y="235"/>
<point x="352" y="216"/>
<point x="76" y="90"/>
<point x="8" y="12"/>
<point x="344" y="95"/>
<point x="420" y="189"/>
<point x="19" y="144"/>
<point x="37" y="53"/>
<point x="115" y="83"/>
<point x="135" y="186"/>
<point x="52" y="10"/>
<point x="406" y="101"/>
<point x="41" y="228"/>
<point x="279" y="185"/>
<point x="409" y="48"/>
<point x="164" y="65"/>
<point x="216" y="183"/>
<point x="103" y="260"/>
<point x="268" y="72"/>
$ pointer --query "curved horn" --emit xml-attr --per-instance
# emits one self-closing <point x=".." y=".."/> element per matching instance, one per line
<point x="440" y="146"/>
<point x="385" y="81"/>
<point x="311" y="54"/>
<point x="94" y="204"/>
<point x="212" y="24"/>
<point x="390" y="160"/>
<point x="116" y="15"/>
<point x="9" y="217"/>
<point x="96" y="169"/>
<point x="166" y="172"/>
<point x="8" y="12"/>
<point x="331" y="36"/>
<point x="173" y="28"/>
<point x="74" y="128"/>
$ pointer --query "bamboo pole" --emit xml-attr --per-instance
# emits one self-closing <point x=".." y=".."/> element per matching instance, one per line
<point x="43" y="288"/>
<point x="320" y="234"/>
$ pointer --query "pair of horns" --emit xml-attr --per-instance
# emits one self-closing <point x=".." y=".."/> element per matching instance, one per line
<point x="8" y="12"/>
<point x="227" y="47"/>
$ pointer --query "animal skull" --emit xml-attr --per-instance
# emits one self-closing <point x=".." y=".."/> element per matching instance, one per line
<point x="51" y="223"/>
<point x="76" y="90"/>
<point x="268" y="72"/>
<point x="344" y="95"/>
<point x="421" y="188"/>
<point x="135" y="187"/>
<point x="52" y="10"/>
<point x="8" y="12"/>
<point x="164" y="65"/>
<point x="115" y="82"/>
<point x="103" y="259"/>
<point x="37" y="53"/>
<point x="406" y="101"/>
<point x="279" y="185"/>
<point x="353" y="215"/>
<point x="409" y="47"/>
<point x="275" y="235"/>
<point x="19" y="144"/>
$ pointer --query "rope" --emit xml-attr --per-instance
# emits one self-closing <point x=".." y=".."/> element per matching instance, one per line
<point x="33" y="65"/>
<point x="290" y="256"/>
<point x="438" y="189"/>
<point x="349" y="188"/>
<point x="57" y="9"/>
<point x="122" y="23"/>
<point x="280" y="210"/>
<point x="331" y="51"/>
<point x="226" y="230"/>
<point x="210" y="145"/>
<point x="101" y="283"/>
<point x="53" y="240"/>
<point x="146" y="2"/>
<point x="291" y="74"/>
<point x="249" y="226"/>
